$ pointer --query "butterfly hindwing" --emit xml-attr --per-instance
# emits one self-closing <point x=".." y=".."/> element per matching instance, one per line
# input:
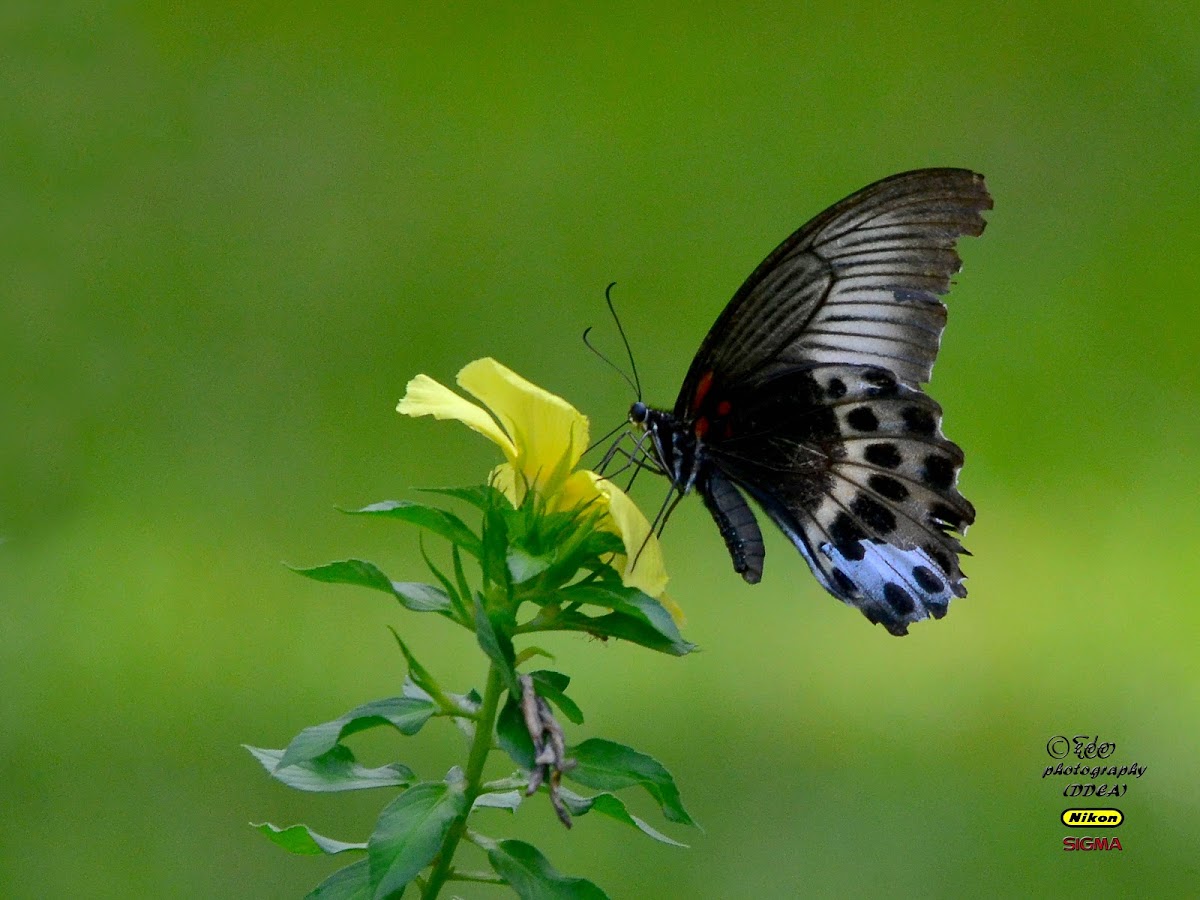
<point x="852" y="465"/>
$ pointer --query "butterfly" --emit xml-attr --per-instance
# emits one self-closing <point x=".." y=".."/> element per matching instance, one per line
<point x="806" y="398"/>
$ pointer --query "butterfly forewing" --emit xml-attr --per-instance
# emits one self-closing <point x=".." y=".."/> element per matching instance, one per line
<point x="859" y="283"/>
<point x="806" y="396"/>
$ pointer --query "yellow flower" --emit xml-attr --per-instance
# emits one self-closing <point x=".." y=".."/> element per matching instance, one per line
<point x="543" y="437"/>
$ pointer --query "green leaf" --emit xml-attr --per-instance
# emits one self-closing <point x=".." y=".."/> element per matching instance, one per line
<point x="509" y="800"/>
<point x="609" y="766"/>
<point x="419" y="674"/>
<point x="413" y="595"/>
<point x="439" y="521"/>
<point x="530" y="652"/>
<point x="421" y="597"/>
<point x="533" y="878"/>
<point x="348" y="571"/>
<point x="303" y="840"/>
<point x="631" y="602"/>
<point x="481" y="496"/>
<point x="623" y="626"/>
<point x="405" y="714"/>
<point x="410" y="832"/>
<point x="351" y="883"/>
<point x="494" y="559"/>
<point x="614" y="807"/>
<point x="335" y="770"/>
<point x="512" y="735"/>
<point x="455" y="600"/>
<point x="497" y="645"/>
<point x="551" y="685"/>
<point x="460" y="577"/>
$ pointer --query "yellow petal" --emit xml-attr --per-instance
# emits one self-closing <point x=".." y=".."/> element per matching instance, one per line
<point x="644" y="568"/>
<point x="549" y="433"/>
<point x="504" y="478"/>
<point x="425" y="397"/>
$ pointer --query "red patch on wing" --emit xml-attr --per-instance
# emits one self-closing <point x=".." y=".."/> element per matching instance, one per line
<point x="702" y="387"/>
<point x="701" y="427"/>
<point x="724" y="407"/>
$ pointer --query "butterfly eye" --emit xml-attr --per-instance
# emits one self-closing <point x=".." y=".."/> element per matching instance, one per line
<point x="637" y="413"/>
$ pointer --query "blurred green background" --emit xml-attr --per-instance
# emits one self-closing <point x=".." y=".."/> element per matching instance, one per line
<point x="230" y="236"/>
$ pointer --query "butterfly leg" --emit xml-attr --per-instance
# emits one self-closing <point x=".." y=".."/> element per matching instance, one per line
<point x="660" y="520"/>
<point x="616" y="449"/>
<point x="638" y="458"/>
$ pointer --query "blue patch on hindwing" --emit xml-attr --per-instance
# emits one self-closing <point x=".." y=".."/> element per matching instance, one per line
<point x="892" y="587"/>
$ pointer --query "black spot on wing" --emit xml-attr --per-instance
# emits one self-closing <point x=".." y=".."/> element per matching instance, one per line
<point x="944" y="560"/>
<point x="883" y="454"/>
<point x="899" y="599"/>
<point x="873" y="514"/>
<point x="863" y="419"/>
<point x="889" y="487"/>
<point x="938" y="471"/>
<point x="882" y="383"/>
<point x="924" y="576"/>
<point x="919" y="420"/>
<point x="843" y="582"/>
<point x="847" y="536"/>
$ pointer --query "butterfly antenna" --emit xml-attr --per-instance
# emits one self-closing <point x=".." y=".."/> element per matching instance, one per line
<point x="608" y="362"/>
<point x="625" y="340"/>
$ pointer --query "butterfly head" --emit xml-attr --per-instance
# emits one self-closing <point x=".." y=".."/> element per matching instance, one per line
<point x="639" y="413"/>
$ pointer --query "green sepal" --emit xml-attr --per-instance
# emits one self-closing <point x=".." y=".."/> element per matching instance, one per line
<point x="334" y="770"/>
<point x="410" y="832"/>
<point x="431" y="518"/>
<point x="609" y="766"/>
<point x="405" y="714"/>
<point x="530" y="874"/>
<point x="411" y="594"/>
<point x="593" y="553"/>
<point x="351" y="883"/>
<point x="614" y="807"/>
<point x="524" y="566"/>
<point x="302" y="840"/>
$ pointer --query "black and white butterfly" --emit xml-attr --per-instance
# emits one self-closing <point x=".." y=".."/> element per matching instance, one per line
<point x="805" y="396"/>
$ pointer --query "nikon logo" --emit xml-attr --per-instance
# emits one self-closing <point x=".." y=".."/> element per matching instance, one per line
<point x="1092" y="818"/>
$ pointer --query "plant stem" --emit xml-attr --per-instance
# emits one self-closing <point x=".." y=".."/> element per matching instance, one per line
<point x="481" y="746"/>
